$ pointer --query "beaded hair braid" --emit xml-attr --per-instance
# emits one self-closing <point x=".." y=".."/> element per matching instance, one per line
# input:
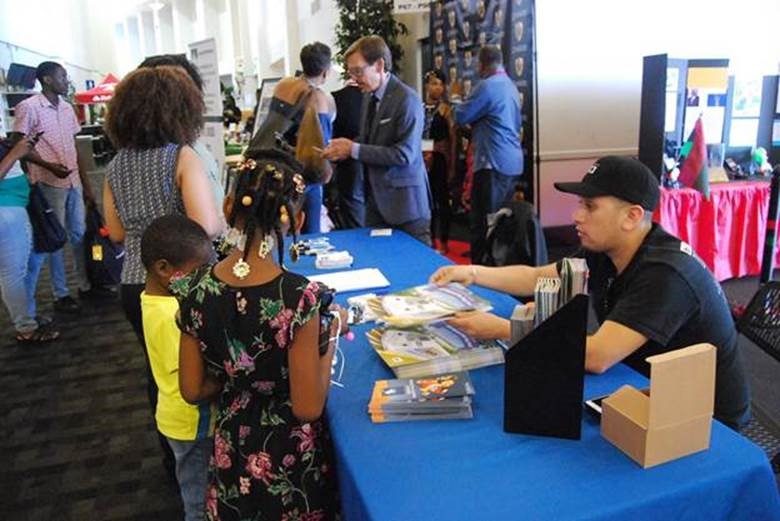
<point x="268" y="192"/>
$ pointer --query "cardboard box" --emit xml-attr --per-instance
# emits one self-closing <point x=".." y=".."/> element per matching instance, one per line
<point x="674" y="418"/>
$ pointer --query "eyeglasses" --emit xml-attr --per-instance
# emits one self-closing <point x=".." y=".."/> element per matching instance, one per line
<point x="358" y="72"/>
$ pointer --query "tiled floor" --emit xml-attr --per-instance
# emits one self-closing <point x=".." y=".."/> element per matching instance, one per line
<point x="77" y="439"/>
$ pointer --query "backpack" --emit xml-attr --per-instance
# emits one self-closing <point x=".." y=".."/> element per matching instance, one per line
<point x="309" y="143"/>
<point x="515" y="236"/>
<point x="294" y="129"/>
<point x="104" y="258"/>
<point x="48" y="233"/>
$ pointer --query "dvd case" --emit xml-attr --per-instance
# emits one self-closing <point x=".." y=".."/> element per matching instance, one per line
<point x="446" y="396"/>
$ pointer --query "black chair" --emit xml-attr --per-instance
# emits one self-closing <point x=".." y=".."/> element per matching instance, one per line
<point x="760" y="323"/>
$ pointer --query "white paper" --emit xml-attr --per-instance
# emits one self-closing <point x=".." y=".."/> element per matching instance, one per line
<point x="672" y="78"/>
<point x="382" y="232"/>
<point x="712" y="121"/>
<point x="353" y="280"/>
<point x="670" y="119"/>
<point x="713" y="124"/>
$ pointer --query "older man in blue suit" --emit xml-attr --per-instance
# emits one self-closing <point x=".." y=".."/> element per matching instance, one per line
<point x="389" y="145"/>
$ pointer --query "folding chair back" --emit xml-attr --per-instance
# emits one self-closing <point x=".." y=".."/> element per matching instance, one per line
<point x="761" y="321"/>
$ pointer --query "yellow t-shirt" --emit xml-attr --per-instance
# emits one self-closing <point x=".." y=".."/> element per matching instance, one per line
<point x="176" y="419"/>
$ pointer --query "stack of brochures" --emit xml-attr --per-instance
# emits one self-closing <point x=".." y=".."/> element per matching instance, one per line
<point x="522" y="321"/>
<point x="546" y="297"/>
<point x="434" y="348"/>
<point x="442" y="397"/>
<point x="415" y="339"/>
<point x="552" y="293"/>
<point x="423" y="304"/>
<point x="574" y="279"/>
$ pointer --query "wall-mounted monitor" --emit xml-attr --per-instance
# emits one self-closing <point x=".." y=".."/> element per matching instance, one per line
<point x="21" y="76"/>
<point x="14" y="98"/>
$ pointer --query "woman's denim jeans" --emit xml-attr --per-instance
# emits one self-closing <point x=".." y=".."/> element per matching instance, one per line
<point x="15" y="248"/>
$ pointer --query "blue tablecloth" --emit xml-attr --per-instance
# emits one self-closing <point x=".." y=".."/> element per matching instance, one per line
<point x="473" y="470"/>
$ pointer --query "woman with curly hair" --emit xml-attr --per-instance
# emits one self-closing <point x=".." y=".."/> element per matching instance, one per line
<point x="153" y="119"/>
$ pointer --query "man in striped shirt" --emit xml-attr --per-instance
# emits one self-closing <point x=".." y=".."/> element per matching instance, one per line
<point x="57" y="172"/>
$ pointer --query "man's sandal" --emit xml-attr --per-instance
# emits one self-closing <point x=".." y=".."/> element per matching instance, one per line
<point x="37" y="337"/>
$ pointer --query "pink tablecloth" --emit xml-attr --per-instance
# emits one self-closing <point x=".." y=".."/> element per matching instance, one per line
<point x="727" y="231"/>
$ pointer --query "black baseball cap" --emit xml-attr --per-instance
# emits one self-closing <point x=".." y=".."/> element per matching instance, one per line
<point x="621" y="177"/>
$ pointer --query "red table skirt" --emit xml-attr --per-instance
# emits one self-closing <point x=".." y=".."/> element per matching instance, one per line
<point x="727" y="231"/>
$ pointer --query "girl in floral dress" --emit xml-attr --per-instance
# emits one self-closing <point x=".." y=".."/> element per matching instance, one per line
<point x="250" y="336"/>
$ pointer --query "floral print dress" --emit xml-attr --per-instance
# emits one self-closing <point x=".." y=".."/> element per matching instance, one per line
<point x="267" y="465"/>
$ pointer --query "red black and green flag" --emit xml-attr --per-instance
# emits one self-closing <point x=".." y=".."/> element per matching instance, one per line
<point x="693" y="161"/>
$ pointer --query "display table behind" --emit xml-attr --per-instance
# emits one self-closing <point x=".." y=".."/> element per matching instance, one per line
<point x="471" y="469"/>
<point x="727" y="231"/>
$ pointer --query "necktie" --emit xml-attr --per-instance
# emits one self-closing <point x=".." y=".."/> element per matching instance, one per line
<point x="370" y="115"/>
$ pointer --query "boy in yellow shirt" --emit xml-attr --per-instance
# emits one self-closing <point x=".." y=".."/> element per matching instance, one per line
<point x="171" y="247"/>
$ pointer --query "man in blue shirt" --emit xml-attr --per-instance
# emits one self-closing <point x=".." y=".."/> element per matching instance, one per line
<point x="493" y="110"/>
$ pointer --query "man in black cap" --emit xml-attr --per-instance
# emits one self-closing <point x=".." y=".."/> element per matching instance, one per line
<point x="650" y="292"/>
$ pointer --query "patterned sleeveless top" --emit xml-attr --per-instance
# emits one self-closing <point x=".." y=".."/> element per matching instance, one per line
<point x="144" y="186"/>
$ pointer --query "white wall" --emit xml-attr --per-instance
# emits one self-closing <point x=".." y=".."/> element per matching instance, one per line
<point x="590" y="71"/>
<point x="318" y="25"/>
<point x="589" y="54"/>
<point x="418" y="25"/>
<point x="71" y="33"/>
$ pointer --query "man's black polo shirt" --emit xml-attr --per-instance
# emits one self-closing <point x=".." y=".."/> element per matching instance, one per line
<point x="668" y="295"/>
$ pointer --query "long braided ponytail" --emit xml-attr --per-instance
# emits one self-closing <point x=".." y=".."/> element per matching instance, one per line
<point x="269" y="191"/>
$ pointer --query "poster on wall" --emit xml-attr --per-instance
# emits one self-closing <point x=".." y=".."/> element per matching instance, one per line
<point x="264" y="96"/>
<point x="203" y="55"/>
<point x="776" y="133"/>
<point x="705" y="97"/>
<point x="459" y="28"/>
<point x="777" y="109"/>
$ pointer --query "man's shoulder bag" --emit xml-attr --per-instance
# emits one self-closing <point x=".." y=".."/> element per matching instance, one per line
<point x="48" y="233"/>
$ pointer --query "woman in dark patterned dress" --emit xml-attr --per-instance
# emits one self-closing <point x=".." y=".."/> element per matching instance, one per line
<point x="250" y="335"/>
<point x="440" y="160"/>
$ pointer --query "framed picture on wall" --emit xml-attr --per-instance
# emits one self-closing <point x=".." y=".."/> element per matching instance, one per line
<point x="264" y="95"/>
